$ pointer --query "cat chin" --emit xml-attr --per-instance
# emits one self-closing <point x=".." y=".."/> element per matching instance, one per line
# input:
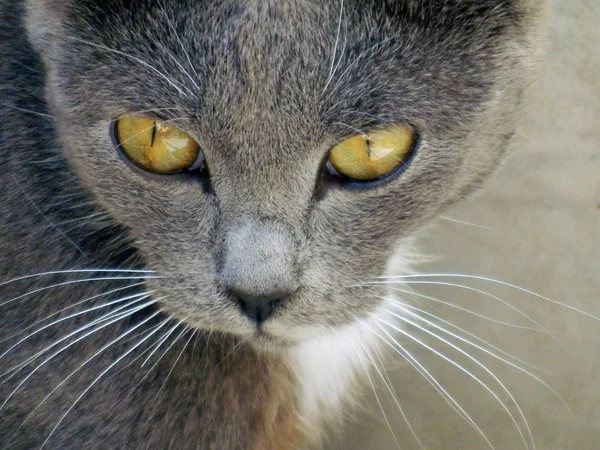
<point x="268" y="343"/>
<point x="278" y="337"/>
<point x="275" y="337"/>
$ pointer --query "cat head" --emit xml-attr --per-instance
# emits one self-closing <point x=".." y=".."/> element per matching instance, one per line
<point x="270" y="226"/>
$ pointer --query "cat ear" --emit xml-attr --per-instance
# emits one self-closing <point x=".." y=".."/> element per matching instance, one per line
<point x="44" y="21"/>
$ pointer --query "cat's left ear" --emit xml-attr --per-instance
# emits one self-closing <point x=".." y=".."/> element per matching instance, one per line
<point x="44" y="21"/>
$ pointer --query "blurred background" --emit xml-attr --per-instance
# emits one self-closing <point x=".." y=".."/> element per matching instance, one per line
<point x="536" y="225"/>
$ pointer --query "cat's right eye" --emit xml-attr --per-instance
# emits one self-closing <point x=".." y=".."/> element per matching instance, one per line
<point x="157" y="146"/>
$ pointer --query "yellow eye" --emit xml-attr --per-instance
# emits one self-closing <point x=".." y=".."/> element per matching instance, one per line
<point x="157" y="146"/>
<point x="374" y="155"/>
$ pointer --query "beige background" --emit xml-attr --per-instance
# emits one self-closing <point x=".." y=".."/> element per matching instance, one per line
<point x="543" y="211"/>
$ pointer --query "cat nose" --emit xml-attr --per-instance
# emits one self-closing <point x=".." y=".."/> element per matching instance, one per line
<point x="258" y="308"/>
<point x="257" y="266"/>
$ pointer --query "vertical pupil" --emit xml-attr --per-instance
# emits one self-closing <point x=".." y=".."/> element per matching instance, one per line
<point x="153" y="133"/>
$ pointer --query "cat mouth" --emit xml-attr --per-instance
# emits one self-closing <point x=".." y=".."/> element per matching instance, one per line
<point x="267" y="340"/>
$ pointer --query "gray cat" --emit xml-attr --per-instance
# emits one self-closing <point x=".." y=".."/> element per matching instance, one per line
<point x="198" y="198"/>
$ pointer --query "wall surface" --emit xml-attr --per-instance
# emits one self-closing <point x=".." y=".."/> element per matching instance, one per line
<point x="538" y="227"/>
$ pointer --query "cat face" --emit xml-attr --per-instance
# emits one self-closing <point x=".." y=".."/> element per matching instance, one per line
<point x="267" y="89"/>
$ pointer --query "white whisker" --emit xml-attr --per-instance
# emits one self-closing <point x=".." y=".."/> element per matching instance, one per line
<point x="126" y="314"/>
<point x="162" y="341"/>
<point x="462" y="222"/>
<point x="98" y="378"/>
<point x="503" y="283"/>
<point x="445" y="395"/>
<point x="142" y="354"/>
<point x="105" y="347"/>
<point x="139" y="296"/>
<point x="422" y="311"/>
<point x="64" y="272"/>
<point x="357" y="130"/>
<point x="388" y="384"/>
<point x="460" y="308"/>
<point x="67" y="283"/>
<point x="107" y="317"/>
<point x="480" y="291"/>
<point x="28" y="111"/>
<point x="417" y="316"/>
<point x="187" y="328"/>
<point x="357" y="60"/>
<point x="120" y="144"/>
<point x="46" y="218"/>
<point x="80" y="219"/>
<point x="374" y="391"/>
<point x="335" y="46"/>
<point x="144" y="111"/>
<point x="185" y="72"/>
<point x="467" y="372"/>
<point x="185" y="52"/>
<point x="460" y="411"/>
<point x="138" y="60"/>
<point x="69" y="307"/>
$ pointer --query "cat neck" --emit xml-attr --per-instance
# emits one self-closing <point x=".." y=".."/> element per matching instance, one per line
<point x="330" y="370"/>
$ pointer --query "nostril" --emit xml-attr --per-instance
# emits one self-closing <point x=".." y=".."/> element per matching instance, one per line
<point x="258" y="312"/>
<point x="258" y="308"/>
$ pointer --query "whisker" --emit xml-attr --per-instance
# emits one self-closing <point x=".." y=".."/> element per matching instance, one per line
<point x="48" y="116"/>
<point x="141" y="355"/>
<point x="138" y="60"/>
<point x="430" y="379"/>
<point x="81" y="366"/>
<point x="480" y="291"/>
<point x="422" y="311"/>
<point x="388" y="384"/>
<point x="374" y="116"/>
<point x="335" y="46"/>
<point x="120" y="144"/>
<point x="437" y="386"/>
<point x="185" y="52"/>
<point x="69" y="307"/>
<point x="484" y="349"/>
<point x="175" y="363"/>
<point x="185" y="72"/>
<point x="126" y="314"/>
<point x="163" y="340"/>
<point x="82" y="221"/>
<point x="144" y="111"/>
<point x="503" y="283"/>
<point x="107" y="317"/>
<point x="451" y="305"/>
<point x="374" y="391"/>
<point x="58" y="230"/>
<point x="357" y="130"/>
<point x="62" y="272"/>
<point x="462" y="222"/>
<point x="357" y="60"/>
<point x="67" y="283"/>
<point x="468" y="373"/>
<point x="340" y="59"/>
<point x="98" y="378"/>
<point x="95" y="308"/>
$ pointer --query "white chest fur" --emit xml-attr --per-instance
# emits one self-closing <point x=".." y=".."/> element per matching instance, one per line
<point x="327" y="368"/>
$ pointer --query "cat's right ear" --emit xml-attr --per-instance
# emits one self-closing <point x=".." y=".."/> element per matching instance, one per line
<point x="44" y="20"/>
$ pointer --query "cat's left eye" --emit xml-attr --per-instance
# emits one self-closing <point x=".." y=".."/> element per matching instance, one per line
<point x="157" y="146"/>
<point x="373" y="155"/>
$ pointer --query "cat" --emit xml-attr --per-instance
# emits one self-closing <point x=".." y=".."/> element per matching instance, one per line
<point x="198" y="200"/>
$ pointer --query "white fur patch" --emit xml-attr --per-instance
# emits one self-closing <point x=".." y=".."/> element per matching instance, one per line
<point x="328" y="365"/>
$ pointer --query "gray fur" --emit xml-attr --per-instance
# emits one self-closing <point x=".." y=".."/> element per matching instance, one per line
<point x="251" y="85"/>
